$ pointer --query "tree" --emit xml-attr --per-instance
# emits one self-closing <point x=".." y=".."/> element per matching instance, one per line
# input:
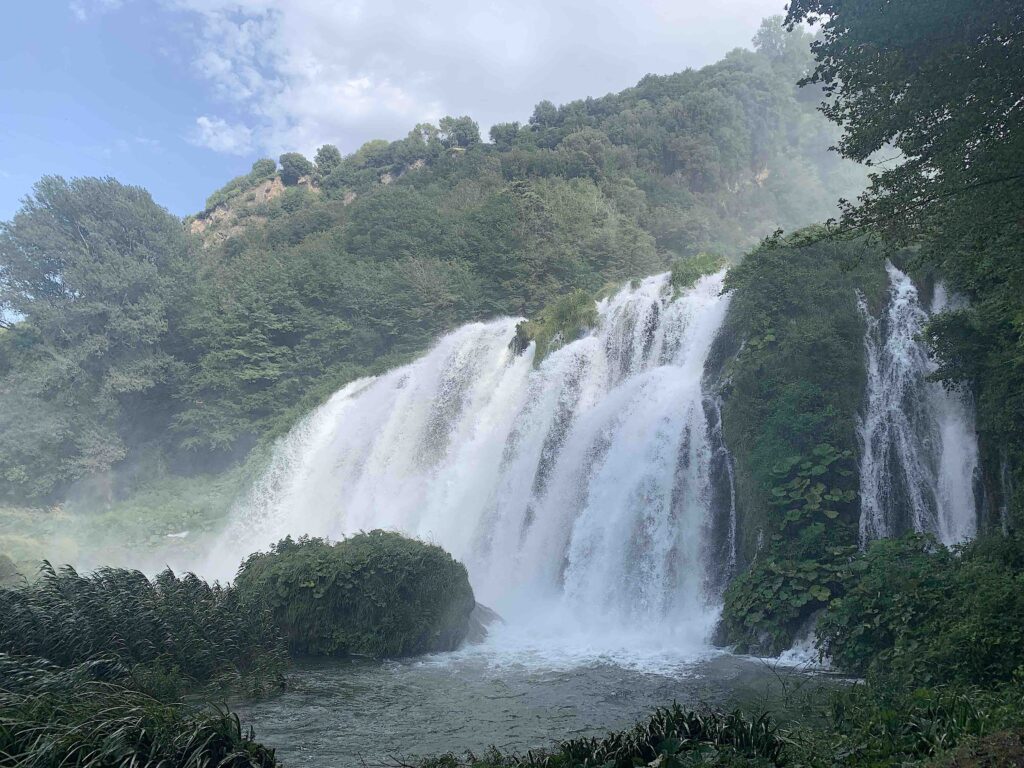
<point x="545" y="115"/>
<point x="938" y="89"/>
<point x="461" y="132"/>
<point x="98" y="272"/>
<point x="327" y="159"/>
<point x="293" y="167"/>
<point x="503" y="135"/>
<point x="263" y="168"/>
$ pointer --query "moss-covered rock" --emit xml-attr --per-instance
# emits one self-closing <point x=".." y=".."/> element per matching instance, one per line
<point x="376" y="594"/>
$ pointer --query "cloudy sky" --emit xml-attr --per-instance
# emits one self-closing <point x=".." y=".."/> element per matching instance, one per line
<point x="181" y="95"/>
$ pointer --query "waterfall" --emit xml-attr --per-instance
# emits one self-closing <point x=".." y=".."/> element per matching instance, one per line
<point x="919" y="448"/>
<point x="583" y="483"/>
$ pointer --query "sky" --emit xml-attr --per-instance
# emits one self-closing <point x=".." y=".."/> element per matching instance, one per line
<point x="179" y="96"/>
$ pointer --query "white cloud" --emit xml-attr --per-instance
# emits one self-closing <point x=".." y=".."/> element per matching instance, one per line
<point x="297" y="74"/>
<point x="221" y="136"/>
<point x="83" y="9"/>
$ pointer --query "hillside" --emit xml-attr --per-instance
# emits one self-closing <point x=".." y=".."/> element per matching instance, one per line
<point x="191" y="349"/>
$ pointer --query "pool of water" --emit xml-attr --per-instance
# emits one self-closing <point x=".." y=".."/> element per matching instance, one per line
<point x="509" y="692"/>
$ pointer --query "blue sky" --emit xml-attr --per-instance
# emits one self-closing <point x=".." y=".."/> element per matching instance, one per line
<point x="179" y="96"/>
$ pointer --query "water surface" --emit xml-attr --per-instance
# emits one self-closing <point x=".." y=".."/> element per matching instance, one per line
<point x="359" y="712"/>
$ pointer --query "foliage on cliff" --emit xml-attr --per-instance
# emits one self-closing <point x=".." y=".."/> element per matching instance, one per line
<point x="919" y="614"/>
<point x="562" y="322"/>
<point x="792" y="376"/>
<point x="375" y="594"/>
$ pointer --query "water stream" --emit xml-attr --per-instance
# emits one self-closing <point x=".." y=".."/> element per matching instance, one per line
<point x="920" y="451"/>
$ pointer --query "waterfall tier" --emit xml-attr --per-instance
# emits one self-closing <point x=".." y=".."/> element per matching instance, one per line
<point x="582" y="484"/>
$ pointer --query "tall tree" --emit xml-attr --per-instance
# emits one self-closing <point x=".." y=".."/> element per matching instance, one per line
<point x="96" y="270"/>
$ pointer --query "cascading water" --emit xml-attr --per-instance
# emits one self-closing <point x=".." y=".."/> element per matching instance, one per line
<point x="583" y="484"/>
<point x="920" y="451"/>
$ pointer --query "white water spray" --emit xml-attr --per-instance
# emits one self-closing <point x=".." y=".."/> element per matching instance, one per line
<point x="580" y="486"/>
<point x="920" y="451"/>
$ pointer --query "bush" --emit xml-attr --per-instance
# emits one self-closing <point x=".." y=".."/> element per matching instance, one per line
<point x="686" y="272"/>
<point x="776" y="597"/>
<point x="872" y="725"/>
<point x="262" y="169"/>
<point x="171" y="634"/>
<point x="52" y="718"/>
<point x="559" y="323"/>
<point x="376" y="594"/>
<point x="672" y="737"/>
<point x="918" y="613"/>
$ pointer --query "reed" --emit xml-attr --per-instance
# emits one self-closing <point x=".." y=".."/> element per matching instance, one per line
<point x="169" y="635"/>
<point x="54" y="717"/>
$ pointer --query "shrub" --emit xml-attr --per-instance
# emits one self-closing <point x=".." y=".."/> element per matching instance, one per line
<point x="771" y="601"/>
<point x="52" y="717"/>
<point x="171" y="634"/>
<point x="561" y="322"/>
<point x="262" y="169"/>
<point x="376" y="594"/>
<point x="672" y="737"/>
<point x="686" y="272"/>
<point x="916" y="612"/>
<point x="873" y="725"/>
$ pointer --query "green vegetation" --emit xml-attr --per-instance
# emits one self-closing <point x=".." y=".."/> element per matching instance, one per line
<point x="686" y="272"/>
<point x="562" y="322"/>
<point x="52" y="717"/>
<point x="673" y="736"/>
<point x="92" y="668"/>
<point x="136" y="346"/>
<point x="263" y="169"/>
<point x="168" y="635"/>
<point x="792" y="376"/>
<point x="375" y="594"/>
<point x="101" y="275"/>
<point x="922" y="615"/>
<point x="183" y="354"/>
<point x="294" y="167"/>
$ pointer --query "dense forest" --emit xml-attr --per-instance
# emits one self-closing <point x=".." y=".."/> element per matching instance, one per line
<point x="137" y="346"/>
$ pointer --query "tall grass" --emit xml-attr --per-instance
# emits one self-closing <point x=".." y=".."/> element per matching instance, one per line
<point x="672" y="736"/>
<point x="170" y="634"/>
<point x="52" y="717"/>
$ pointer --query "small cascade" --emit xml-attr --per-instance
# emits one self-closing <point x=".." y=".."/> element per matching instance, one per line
<point x="584" y="483"/>
<point x="919" y="449"/>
